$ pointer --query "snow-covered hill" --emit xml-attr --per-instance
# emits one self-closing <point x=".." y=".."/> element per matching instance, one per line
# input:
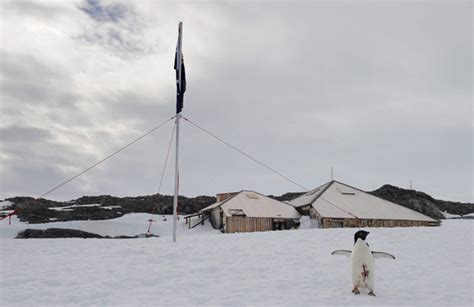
<point x="434" y="267"/>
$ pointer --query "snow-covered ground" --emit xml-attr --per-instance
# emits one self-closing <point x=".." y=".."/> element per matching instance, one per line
<point x="434" y="267"/>
<point x="4" y="204"/>
<point x="454" y="216"/>
<point x="127" y="225"/>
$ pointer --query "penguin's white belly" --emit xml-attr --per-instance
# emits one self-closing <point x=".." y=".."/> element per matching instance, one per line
<point x="362" y="266"/>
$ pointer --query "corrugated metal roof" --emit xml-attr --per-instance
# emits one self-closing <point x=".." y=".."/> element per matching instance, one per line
<point x="343" y="201"/>
<point x="254" y="204"/>
<point x="309" y="197"/>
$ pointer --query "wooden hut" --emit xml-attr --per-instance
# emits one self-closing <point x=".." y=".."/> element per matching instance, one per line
<point x="336" y="204"/>
<point x="248" y="211"/>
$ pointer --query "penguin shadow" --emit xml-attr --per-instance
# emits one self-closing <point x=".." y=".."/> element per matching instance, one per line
<point x="362" y="263"/>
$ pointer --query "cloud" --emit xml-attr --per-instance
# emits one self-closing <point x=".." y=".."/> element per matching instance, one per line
<point x="116" y="28"/>
<point x="14" y="134"/>
<point x="26" y="79"/>
<point x="381" y="91"/>
<point x="104" y="13"/>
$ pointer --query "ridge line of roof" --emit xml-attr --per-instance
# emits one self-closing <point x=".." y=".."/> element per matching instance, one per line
<point x="348" y="185"/>
<point x="329" y="184"/>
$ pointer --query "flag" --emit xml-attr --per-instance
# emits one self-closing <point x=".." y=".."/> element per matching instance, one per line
<point x="180" y="83"/>
<point x="180" y="75"/>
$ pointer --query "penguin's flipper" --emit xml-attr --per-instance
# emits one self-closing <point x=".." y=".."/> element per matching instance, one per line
<point x="383" y="255"/>
<point x="343" y="252"/>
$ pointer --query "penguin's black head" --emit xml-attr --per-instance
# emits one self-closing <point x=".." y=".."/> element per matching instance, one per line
<point x="361" y="234"/>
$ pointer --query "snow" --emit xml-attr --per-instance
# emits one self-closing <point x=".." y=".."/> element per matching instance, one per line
<point x="434" y="267"/>
<point x="308" y="223"/>
<point x="127" y="225"/>
<point x="111" y="207"/>
<point x="72" y="207"/>
<point x="454" y="216"/>
<point x="449" y="215"/>
<point x="5" y="204"/>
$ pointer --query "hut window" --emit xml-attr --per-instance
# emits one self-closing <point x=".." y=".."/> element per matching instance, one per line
<point x="346" y="192"/>
<point x="252" y="195"/>
<point x="236" y="212"/>
<point x="337" y="223"/>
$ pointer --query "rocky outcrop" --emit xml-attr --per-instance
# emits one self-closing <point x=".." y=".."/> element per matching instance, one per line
<point x="102" y="207"/>
<point x="422" y="202"/>
<point x="55" y="233"/>
<point x="287" y="196"/>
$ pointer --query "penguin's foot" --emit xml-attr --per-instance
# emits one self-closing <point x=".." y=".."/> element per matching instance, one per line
<point x="355" y="291"/>
<point x="371" y="293"/>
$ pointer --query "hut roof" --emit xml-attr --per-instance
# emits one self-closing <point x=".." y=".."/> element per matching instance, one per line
<point x="308" y="197"/>
<point x="210" y="207"/>
<point x="338" y="200"/>
<point x="253" y="204"/>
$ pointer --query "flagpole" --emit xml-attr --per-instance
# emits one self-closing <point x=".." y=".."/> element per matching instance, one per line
<point x="178" y="116"/>
<point x="176" y="179"/>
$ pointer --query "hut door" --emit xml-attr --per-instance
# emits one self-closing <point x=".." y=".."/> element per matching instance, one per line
<point x="277" y="225"/>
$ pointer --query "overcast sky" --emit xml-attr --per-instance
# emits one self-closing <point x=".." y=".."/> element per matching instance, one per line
<point x="380" y="90"/>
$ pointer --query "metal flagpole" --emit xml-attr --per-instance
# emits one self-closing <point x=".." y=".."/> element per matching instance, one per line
<point x="176" y="179"/>
<point x="178" y="116"/>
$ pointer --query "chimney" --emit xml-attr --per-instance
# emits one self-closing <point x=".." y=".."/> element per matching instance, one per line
<point x="223" y="196"/>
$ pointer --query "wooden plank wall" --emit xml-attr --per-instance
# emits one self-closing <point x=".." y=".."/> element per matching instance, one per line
<point x="327" y="223"/>
<point x="247" y="224"/>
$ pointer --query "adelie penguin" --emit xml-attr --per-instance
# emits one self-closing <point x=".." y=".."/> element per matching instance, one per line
<point x="362" y="263"/>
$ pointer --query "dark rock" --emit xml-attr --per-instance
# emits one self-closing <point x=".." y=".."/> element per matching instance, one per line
<point x="422" y="202"/>
<point x="287" y="196"/>
<point x="36" y="211"/>
<point x="54" y="233"/>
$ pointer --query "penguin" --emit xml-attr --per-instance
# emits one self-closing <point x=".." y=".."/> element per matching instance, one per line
<point x="362" y="263"/>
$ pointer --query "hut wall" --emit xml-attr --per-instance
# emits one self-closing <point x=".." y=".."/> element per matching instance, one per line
<point x="216" y="218"/>
<point x="334" y="223"/>
<point x="247" y="224"/>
